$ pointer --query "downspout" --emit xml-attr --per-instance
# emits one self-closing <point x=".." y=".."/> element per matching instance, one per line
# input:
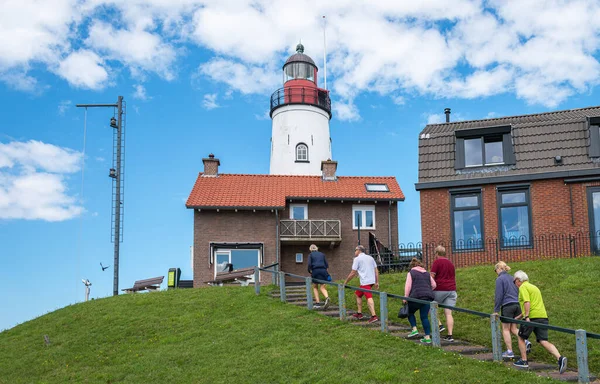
<point x="277" y="240"/>
<point x="390" y="225"/>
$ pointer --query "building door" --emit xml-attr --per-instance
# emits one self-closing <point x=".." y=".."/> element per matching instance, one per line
<point x="594" y="216"/>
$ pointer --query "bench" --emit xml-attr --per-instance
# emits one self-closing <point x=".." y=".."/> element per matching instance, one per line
<point x="152" y="284"/>
<point x="240" y="275"/>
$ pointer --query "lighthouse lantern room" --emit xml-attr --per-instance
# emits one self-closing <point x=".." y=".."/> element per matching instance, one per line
<point x="300" y="113"/>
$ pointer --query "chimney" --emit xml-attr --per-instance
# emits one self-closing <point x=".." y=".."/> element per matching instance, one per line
<point x="447" y="112"/>
<point x="211" y="166"/>
<point x="329" y="167"/>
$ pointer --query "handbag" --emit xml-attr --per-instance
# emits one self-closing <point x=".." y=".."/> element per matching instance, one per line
<point x="403" y="313"/>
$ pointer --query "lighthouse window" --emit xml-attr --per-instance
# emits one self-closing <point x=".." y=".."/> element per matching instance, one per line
<point x="301" y="152"/>
<point x="303" y="71"/>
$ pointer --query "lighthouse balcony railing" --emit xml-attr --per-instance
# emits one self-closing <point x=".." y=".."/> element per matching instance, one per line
<point x="310" y="230"/>
<point x="301" y="95"/>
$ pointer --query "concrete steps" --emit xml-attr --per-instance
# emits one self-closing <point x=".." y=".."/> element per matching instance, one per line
<point x="296" y="295"/>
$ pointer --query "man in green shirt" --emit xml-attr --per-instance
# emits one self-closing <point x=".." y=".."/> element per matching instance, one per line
<point x="533" y="310"/>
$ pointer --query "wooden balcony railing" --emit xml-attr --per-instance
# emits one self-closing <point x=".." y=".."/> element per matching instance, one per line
<point x="310" y="229"/>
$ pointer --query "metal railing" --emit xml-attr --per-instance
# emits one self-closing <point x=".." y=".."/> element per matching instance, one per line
<point x="301" y="95"/>
<point x="310" y="229"/>
<point x="581" y="335"/>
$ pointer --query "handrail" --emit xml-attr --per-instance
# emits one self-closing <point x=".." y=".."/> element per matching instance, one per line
<point x="270" y="266"/>
<point x="581" y="335"/>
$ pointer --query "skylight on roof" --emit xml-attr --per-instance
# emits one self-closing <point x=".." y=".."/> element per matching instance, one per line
<point x="377" y="187"/>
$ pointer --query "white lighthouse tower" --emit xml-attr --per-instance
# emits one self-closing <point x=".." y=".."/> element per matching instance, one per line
<point x="300" y="112"/>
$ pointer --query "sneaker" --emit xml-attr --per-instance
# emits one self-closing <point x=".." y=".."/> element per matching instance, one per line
<point x="448" y="338"/>
<point x="357" y="315"/>
<point x="528" y="346"/>
<point x="521" y="363"/>
<point x="562" y="364"/>
<point x="442" y="328"/>
<point x="326" y="305"/>
<point x="413" y="334"/>
<point x="373" y="319"/>
<point x="425" y="341"/>
<point x="508" y="355"/>
<point x="317" y="305"/>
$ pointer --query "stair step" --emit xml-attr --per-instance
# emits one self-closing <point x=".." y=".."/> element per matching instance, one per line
<point x="568" y="376"/>
<point x="466" y="349"/>
<point x="488" y="356"/>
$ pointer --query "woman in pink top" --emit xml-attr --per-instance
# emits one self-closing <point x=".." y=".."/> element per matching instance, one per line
<point x="419" y="285"/>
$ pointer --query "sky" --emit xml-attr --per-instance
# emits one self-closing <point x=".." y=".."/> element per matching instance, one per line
<point x="197" y="76"/>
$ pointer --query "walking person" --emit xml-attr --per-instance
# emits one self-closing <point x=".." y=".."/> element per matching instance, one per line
<point x="366" y="268"/>
<point x="419" y="285"/>
<point x="317" y="267"/>
<point x="533" y="310"/>
<point x="444" y="274"/>
<point x="506" y="302"/>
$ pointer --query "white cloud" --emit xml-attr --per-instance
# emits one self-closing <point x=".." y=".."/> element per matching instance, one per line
<point x="245" y="79"/>
<point x="210" y="101"/>
<point x="435" y="118"/>
<point x="33" y="184"/>
<point x="63" y="106"/>
<point x="543" y="51"/>
<point x="345" y="111"/>
<point x="84" y="69"/>
<point x="140" y="92"/>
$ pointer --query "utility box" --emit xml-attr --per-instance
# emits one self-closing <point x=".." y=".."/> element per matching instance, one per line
<point x="173" y="278"/>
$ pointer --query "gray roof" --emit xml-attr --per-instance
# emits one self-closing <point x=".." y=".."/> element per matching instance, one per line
<point x="299" y="57"/>
<point x="536" y="139"/>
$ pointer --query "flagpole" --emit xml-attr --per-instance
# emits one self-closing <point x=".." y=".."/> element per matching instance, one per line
<point x="325" y="51"/>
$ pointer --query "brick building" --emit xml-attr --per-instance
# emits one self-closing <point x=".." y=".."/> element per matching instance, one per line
<point x="250" y="220"/>
<point x="512" y="188"/>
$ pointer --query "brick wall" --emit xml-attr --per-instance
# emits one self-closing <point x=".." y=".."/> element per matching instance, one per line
<point x="551" y="214"/>
<point x="260" y="227"/>
<point x="228" y="227"/>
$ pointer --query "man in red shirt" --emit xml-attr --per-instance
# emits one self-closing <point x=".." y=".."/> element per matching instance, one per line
<point x="443" y="273"/>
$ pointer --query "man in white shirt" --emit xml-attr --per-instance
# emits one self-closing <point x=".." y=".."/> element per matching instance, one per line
<point x="366" y="268"/>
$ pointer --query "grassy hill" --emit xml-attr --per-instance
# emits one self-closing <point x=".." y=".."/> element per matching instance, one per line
<point x="229" y="335"/>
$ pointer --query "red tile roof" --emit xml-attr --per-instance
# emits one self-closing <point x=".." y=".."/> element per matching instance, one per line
<point x="271" y="191"/>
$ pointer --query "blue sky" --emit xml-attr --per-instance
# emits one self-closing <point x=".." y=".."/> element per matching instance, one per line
<point x="197" y="77"/>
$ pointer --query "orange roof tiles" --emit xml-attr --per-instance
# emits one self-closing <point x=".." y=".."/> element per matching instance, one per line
<point x="271" y="191"/>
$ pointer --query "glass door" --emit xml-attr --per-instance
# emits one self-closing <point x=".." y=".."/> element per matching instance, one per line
<point x="594" y="217"/>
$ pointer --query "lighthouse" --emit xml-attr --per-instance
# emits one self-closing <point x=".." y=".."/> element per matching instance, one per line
<point x="300" y="114"/>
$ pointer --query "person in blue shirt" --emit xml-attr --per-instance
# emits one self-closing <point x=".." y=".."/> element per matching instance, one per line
<point x="317" y="267"/>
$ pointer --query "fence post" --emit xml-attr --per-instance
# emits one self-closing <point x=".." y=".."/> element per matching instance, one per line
<point x="582" y="356"/>
<point x="256" y="281"/>
<point x="383" y="311"/>
<point x="282" y="287"/>
<point x="435" y="329"/>
<point x="309" y="295"/>
<point x="496" y="337"/>
<point x="342" y="301"/>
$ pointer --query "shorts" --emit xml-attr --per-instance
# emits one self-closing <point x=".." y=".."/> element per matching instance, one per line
<point x="368" y="295"/>
<point x="511" y="310"/>
<point x="540" y="333"/>
<point x="445" y="297"/>
<point x="320" y="274"/>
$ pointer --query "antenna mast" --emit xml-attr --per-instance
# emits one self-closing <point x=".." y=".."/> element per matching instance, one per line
<point x="324" y="52"/>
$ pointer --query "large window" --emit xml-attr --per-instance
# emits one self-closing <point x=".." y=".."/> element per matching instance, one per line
<point x="239" y="258"/>
<point x="467" y="220"/>
<point x="302" y="152"/>
<point x="298" y="211"/>
<point x="484" y="147"/>
<point x="304" y="71"/>
<point x="363" y="216"/>
<point x="514" y="217"/>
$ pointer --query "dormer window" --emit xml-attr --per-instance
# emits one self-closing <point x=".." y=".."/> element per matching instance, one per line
<point x="484" y="147"/>
<point x="301" y="152"/>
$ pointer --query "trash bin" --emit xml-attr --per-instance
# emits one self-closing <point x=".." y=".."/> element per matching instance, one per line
<point x="173" y="280"/>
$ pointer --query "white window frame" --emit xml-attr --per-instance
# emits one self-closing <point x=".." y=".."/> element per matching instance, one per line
<point x="363" y="209"/>
<point x="297" y="149"/>
<point x="299" y="258"/>
<point x="305" y="206"/>
<point x="377" y="187"/>
<point x="228" y="251"/>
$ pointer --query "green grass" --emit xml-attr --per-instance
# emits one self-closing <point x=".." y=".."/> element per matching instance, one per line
<point x="222" y="335"/>
<point x="571" y="293"/>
